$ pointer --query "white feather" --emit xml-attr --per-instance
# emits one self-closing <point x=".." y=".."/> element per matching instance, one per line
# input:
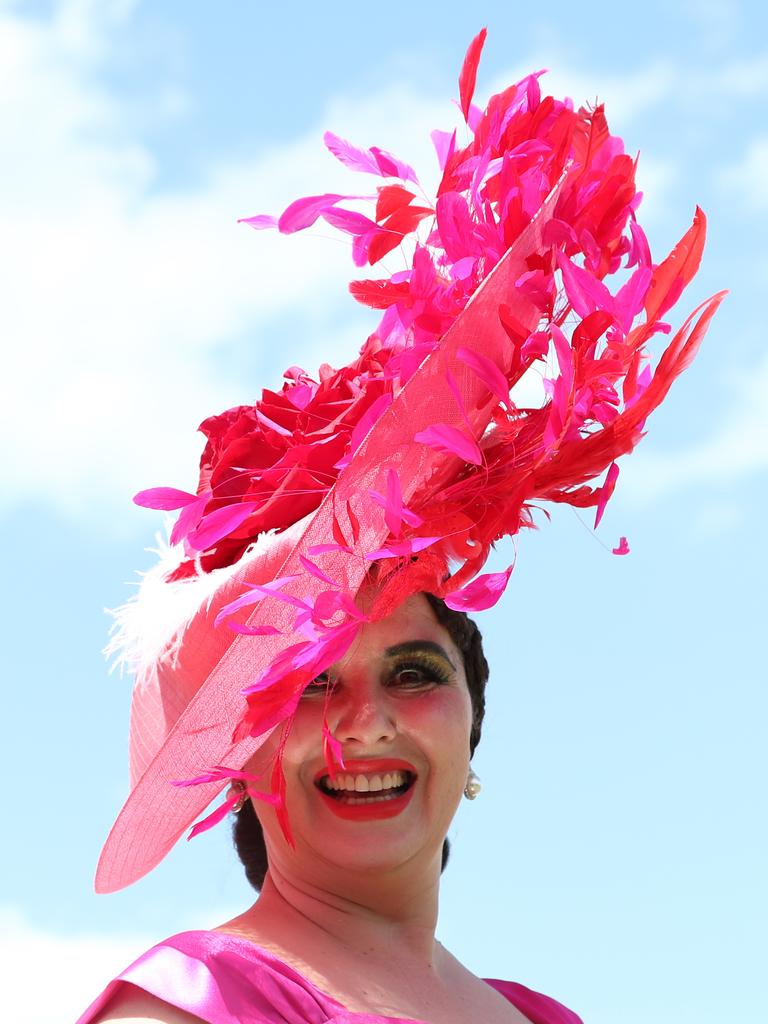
<point x="151" y="624"/>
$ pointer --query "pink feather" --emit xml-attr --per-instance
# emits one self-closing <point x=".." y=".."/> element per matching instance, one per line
<point x="304" y="212"/>
<point x="316" y="571"/>
<point x="629" y="299"/>
<point x="323" y="549"/>
<point x="395" y="512"/>
<point x="390" y="167"/>
<point x="189" y="518"/>
<point x="445" y="144"/>
<point x="218" y="524"/>
<point x="332" y="751"/>
<point x="606" y="491"/>
<point x="253" y="596"/>
<point x="585" y="292"/>
<point x="371" y="161"/>
<point x="487" y="371"/>
<point x="219" y="814"/>
<point x="351" y="156"/>
<point x="640" y="251"/>
<point x="164" y="499"/>
<point x="481" y="593"/>
<point x="260" y="221"/>
<point x="349" y="221"/>
<point x="451" y="441"/>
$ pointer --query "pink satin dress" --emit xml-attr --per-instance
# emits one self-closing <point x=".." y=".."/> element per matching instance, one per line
<point x="227" y="980"/>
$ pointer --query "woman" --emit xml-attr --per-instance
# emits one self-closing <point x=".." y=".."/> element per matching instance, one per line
<point x="332" y="656"/>
<point x="352" y="907"/>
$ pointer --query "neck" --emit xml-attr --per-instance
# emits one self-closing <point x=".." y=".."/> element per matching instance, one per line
<point x="364" y="916"/>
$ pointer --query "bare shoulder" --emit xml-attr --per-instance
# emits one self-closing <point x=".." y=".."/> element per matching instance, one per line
<point x="134" y="1006"/>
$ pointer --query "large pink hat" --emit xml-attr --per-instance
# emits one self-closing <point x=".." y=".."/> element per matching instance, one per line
<point x="416" y="457"/>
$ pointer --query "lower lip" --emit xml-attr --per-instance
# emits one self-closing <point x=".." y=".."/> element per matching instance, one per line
<point x="377" y="809"/>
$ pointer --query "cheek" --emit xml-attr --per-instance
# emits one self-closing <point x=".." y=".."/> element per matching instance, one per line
<point x="443" y="723"/>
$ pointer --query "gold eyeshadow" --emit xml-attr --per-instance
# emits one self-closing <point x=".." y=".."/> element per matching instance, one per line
<point x="435" y="667"/>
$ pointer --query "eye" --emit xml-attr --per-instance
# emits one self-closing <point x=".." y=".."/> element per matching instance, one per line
<point x="410" y="677"/>
<point x="417" y="673"/>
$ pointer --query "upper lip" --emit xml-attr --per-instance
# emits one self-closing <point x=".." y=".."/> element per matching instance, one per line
<point x="369" y="766"/>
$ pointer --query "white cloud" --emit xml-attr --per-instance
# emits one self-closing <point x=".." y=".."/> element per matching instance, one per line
<point x="746" y="78"/>
<point x="738" y="448"/>
<point x="52" y="977"/>
<point x="747" y="178"/>
<point x="75" y="967"/>
<point x="118" y="297"/>
<point x="625" y="96"/>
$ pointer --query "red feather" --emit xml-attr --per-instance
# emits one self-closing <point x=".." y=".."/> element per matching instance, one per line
<point x="354" y="522"/>
<point x="395" y="228"/>
<point x="671" y="276"/>
<point x="379" y="294"/>
<point x="391" y="198"/>
<point x="590" y="135"/>
<point x="468" y="74"/>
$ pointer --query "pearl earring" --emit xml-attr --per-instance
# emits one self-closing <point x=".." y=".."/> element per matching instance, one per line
<point x="473" y="786"/>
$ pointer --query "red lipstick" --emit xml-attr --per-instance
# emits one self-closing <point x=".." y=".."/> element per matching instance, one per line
<point x="375" y="804"/>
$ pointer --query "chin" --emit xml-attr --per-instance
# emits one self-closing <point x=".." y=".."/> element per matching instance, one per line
<point x="380" y="845"/>
<point x="376" y="854"/>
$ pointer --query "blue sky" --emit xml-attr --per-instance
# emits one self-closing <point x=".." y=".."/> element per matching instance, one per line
<point x="617" y="855"/>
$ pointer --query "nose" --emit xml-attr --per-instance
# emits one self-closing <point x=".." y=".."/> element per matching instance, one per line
<point x="364" y="716"/>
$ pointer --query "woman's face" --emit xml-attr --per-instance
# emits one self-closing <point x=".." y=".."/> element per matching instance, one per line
<point x="399" y="706"/>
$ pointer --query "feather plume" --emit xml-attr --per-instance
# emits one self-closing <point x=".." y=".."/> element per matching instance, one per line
<point x="151" y="624"/>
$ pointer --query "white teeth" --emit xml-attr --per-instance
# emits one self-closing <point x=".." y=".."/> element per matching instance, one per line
<point x="365" y="783"/>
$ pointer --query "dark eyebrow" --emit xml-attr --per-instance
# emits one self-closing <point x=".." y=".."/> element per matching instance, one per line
<point x="414" y="646"/>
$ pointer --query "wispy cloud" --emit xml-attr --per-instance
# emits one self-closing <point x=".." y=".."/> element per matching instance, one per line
<point x="73" y="969"/>
<point x="118" y="298"/>
<point x="747" y="177"/>
<point x="737" y="448"/>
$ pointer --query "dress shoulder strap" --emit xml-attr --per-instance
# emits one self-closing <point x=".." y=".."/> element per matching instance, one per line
<point x="221" y="980"/>
<point x="538" y="1008"/>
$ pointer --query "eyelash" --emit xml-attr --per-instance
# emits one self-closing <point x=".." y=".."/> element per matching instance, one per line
<point x="433" y="670"/>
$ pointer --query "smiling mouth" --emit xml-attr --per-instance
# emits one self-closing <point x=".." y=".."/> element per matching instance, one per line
<point x="354" y="789"/>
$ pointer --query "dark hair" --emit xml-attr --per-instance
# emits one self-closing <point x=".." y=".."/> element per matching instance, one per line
<point x="246" y="828"/>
